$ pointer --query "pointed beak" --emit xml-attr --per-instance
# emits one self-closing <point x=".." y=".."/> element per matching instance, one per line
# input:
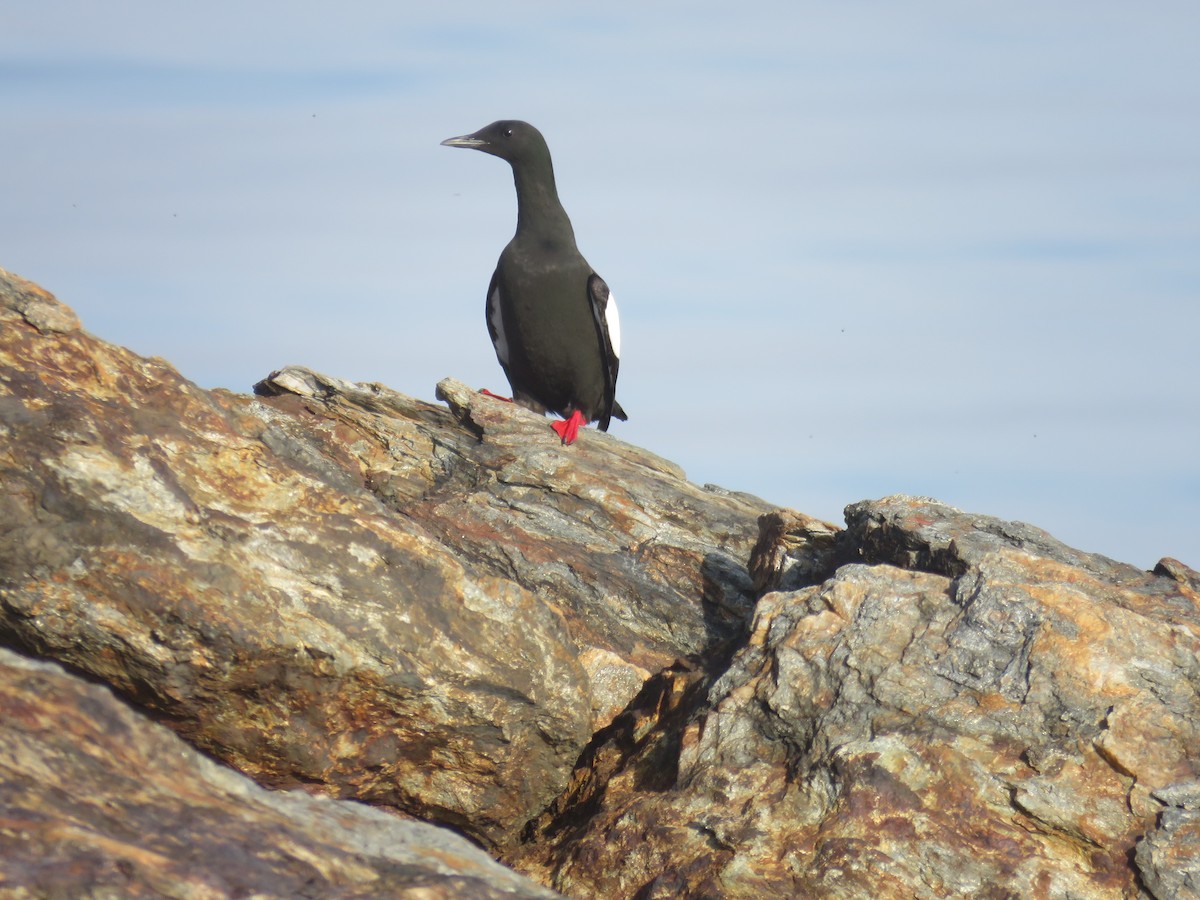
<point x="470" y="141"/>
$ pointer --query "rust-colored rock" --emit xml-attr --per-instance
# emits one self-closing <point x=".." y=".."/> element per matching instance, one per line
<point x="97" y="801"/>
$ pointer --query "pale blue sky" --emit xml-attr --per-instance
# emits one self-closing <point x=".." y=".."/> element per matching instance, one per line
<point x="860" y="248"/>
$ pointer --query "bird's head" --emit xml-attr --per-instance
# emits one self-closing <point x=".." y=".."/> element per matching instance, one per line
<point x="509" y="139"/>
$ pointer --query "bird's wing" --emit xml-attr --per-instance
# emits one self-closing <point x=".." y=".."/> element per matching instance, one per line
<point x="608" y="331"/>
<point x="495" y="321"/>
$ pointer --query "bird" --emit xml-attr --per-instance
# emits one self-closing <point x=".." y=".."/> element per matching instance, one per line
<point x="552" y="320"/>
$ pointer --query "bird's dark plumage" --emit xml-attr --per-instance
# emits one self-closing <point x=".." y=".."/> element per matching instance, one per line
<point x="551" y="318"/>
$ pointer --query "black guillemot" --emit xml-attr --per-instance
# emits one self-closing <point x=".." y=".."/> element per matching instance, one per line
<point x="552" y="319"/>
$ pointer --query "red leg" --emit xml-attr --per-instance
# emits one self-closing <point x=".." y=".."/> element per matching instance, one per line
<point x="568" y="429"/>
<point x="488" y="393"/>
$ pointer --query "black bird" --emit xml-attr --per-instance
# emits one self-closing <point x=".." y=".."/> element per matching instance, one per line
<point x="552" y="319"/>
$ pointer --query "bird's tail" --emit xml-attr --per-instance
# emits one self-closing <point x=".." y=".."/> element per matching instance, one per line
<point x="615" y="413"/>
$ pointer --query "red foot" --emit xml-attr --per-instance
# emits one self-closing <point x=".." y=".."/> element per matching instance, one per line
<point x="568" y="429"/>
<point x="488" y="393"/>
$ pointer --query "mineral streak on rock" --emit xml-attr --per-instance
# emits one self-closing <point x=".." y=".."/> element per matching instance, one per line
<point x="619" y="682"/>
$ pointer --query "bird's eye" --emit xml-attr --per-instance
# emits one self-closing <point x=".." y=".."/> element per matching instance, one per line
<point x="508" y="132"/>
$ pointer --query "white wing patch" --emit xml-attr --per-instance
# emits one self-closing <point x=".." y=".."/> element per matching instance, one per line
<point x="612" y="322"/>
<point x="496" y="326"/>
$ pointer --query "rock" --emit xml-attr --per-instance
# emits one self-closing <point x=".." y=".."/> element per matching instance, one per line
<point x="616" y="681"/>
<point x="339" y="587"/>
<point x="977" y="711"/>
<point x="1185" y="575"/>
<point x="98" y="801"/>
<point x="37" y="307"/>
<point x="792" y="551"/>
<point x="1169" y="856"/>
<point x="589" y="528"/>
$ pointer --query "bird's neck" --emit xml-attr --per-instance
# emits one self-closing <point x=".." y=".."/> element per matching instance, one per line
<point x="539" y="211"/>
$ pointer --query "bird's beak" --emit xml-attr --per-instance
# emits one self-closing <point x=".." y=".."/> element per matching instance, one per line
<point x="469" y="141"/>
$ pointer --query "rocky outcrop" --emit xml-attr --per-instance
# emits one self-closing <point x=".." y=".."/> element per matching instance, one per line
<point x="616" y="681"/>
<point x="972" y="709"/>
<point x="335" y="586"/>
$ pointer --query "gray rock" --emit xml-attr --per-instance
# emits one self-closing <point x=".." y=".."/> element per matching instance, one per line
<point x="1168" y="858"/>
<point x="1000" y="715"/>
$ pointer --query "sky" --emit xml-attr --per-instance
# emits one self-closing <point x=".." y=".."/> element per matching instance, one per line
<point x="937" y="248"/>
